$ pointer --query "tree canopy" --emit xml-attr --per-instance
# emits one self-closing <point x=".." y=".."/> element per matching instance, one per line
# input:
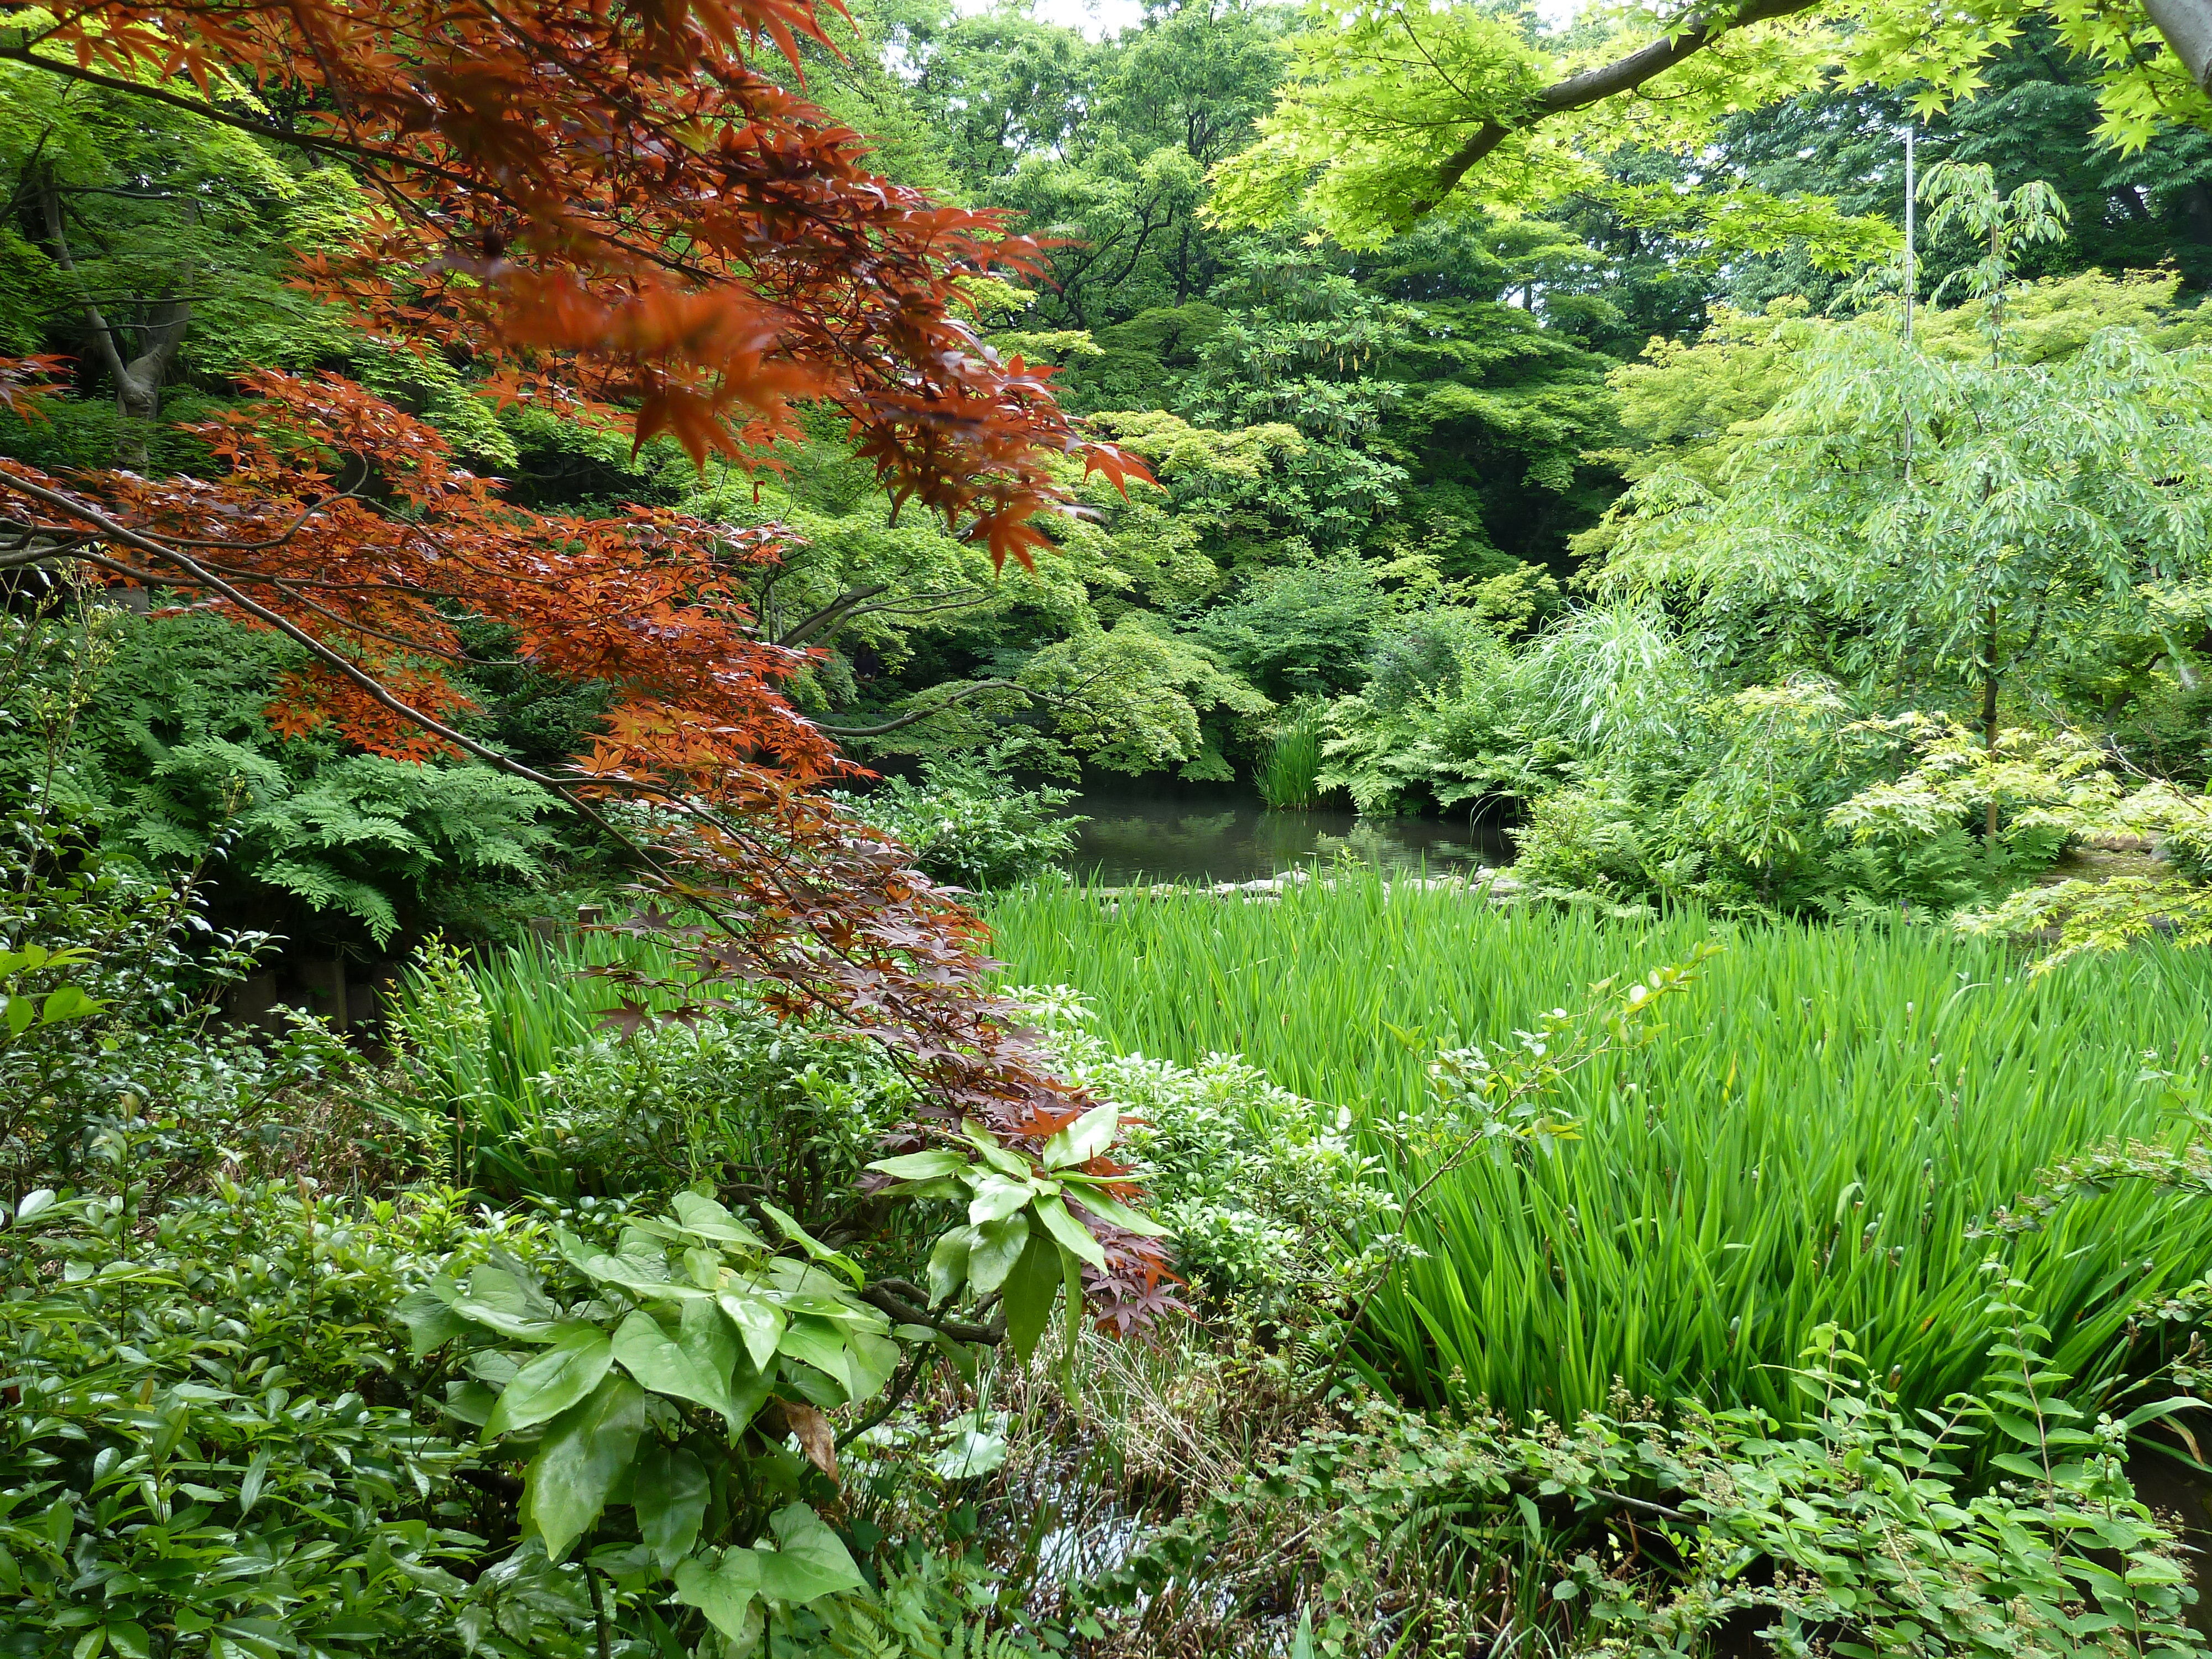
<point x="1395" y="112"/>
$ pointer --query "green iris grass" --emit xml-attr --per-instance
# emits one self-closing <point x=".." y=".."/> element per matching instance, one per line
<point x="494" y="1085"/>
<point x="1818" y="1132"/>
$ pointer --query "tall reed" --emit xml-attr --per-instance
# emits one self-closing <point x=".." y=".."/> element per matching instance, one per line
<point x="482" y="1037"/>
<point x="1289" y="775"/>
<point x="1817" y="1135"/>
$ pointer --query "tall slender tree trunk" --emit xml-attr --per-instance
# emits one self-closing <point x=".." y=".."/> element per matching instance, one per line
<point x="2187" y="26"/>
<point x="1989" y="715"/>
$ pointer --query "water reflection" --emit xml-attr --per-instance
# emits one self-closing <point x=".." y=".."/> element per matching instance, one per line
<point x="1187" y="834"/>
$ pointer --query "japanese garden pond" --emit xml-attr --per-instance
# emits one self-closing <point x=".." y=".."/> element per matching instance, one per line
<point x="1138" y="833"/>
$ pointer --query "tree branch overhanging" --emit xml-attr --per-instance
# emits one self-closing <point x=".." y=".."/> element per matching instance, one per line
<point x="1699" y="30"/>
<point x="916" y="716"/>
<point x="2186" y="25"/>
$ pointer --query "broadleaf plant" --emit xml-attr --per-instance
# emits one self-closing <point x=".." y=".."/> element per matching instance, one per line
<point x="1021" y="1243"/>
<point x="649" y="1390"/>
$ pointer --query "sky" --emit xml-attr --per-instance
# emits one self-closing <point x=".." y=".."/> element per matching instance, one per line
<point x="1096" y="18"/>
<point x="1099" y="18"/>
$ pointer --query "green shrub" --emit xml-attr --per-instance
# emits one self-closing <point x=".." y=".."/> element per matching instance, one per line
<point x="1862" y="1532"/>
<point x="1306" y="630"/>
<point x="218" y="1442"/>
<point x="967" y="825"/>
<point x="1443" y="722"/>
<point x="210" y="1449"/>
<point x="145" y="1084"/>
<point x="1585" y="841"/>
<point x="1259" y="1188"/>
<point x="525" y="1069"/>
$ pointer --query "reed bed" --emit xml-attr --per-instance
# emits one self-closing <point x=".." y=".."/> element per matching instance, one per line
<point x="484" y="1038"/>
<point x="1289" y="776"/>
<point x="1817" y="1134"/>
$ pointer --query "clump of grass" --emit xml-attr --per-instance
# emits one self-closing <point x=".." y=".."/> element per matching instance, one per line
<point x="1289" y="775"/>
<point x="481" y="1038"/>
<point x="1819" y="1135"/>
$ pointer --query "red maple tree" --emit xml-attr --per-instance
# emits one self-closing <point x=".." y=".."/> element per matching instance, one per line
<point x="609" y="209"/>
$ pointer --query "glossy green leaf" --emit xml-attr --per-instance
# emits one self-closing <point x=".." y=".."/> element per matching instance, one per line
<point x="758" y="1321"/>
<point x="749" y="1388"/>
<point x="1006" y="1163"/>
<point x="870" y="1360"/>
<point x="249" y="1489"/>
<point x="709" y="1220"/>
<point x="664" y="1364"/>
<point x="1029" y="1289"/>
<point x="997" y="1198"/>
<point x="1082" y="1140"/>
<point x="566" y="1485"/>
<point x="921" y="1166"/>
<point x="725" y="1591"/>
<point x="1071" y="1281"/>
<point x="704" y="1267"/>
<point x="470" y="1401"/>
<point x="1069" y="1232"/>
<point x="499" y="1300"/>
<point x="553" y="1382"/>
<point x="810" y="1560"/>
<point x="820" y="1343"/>
<point x="69" y="1002"/>
<point x="814" y="1247"/>
<point x="646" y="1279"/>
<point x="35" y="1202"/>
<point x="1112" y="1209"/>
<point x="430" y="1317"/>
<point x="709" y="1339"/>
<point x="998" y="1246"/>
<point x="948" y="1265"/>
<point x="669" y="1493"/>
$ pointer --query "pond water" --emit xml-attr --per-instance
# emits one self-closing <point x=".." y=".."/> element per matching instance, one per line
<point x="1190" y="834"/>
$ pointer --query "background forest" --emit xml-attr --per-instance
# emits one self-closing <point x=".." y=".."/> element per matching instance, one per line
<point x="1390" y="522"/>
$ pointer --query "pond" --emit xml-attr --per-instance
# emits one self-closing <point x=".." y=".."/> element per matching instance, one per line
<point x="1191" y="834"/>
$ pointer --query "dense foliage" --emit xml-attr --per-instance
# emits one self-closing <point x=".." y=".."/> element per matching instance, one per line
<point x="593" y="546"/>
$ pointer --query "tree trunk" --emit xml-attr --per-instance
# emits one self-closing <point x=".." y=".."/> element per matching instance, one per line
<point x="2187" y="26"/>
<point x="139" y="378"/>
<point x="1989" y="720"/>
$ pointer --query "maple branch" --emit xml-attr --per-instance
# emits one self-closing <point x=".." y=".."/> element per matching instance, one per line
<point x="829" y="614"/>
<point x="368" y="684"/>
<point x="914" y="717"/>
<point x="375" y="157"/>
<point x="843" y="609"/>
<point x="1696" y="31"/>
<point x="275" y="135"/>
